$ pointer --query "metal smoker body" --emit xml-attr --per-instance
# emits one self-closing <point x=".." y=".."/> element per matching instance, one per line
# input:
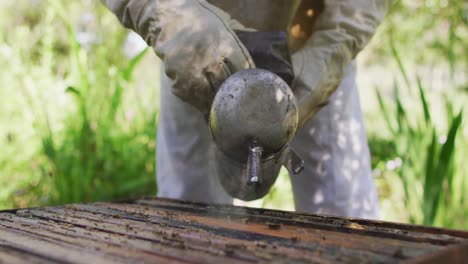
<point x="253" y="118"/>
<point x="254" y="114"/>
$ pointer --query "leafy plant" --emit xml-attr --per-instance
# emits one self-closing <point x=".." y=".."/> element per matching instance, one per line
<point x="100" y="154"/>
<point x="430" y="180"/>
<point x="438" y="27"/>
<point x="93" y="133"/>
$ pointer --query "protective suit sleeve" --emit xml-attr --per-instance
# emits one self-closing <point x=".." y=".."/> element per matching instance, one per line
<point x="342" y="30"/>
<point x="194" y="39"/>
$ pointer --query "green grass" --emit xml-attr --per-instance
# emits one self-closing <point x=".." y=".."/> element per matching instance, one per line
<point x="83" y="131"/>
<point x="434" y="184"/>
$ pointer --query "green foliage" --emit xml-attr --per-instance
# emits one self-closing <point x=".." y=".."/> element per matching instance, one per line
<point x="433" y="194"/>
<point x="94" y="132"/>
<point x="438" y="27"/>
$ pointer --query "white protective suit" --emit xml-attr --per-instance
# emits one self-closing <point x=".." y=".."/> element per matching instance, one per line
<point x="199" y="50"/>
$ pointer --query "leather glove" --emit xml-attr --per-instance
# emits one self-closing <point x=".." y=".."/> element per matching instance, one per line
<point x="194" y="39"/>
<point x="340" y="32"/>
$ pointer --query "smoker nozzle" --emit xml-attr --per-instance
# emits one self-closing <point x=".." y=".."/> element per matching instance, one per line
<point x="254" y="164"/>
<point x="293" y="163"/>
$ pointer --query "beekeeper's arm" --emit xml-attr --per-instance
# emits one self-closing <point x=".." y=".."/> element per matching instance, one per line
<point x="194" y="39"/>
<point x="342" y="30"/>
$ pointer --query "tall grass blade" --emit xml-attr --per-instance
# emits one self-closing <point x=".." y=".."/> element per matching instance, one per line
<point x="430" y="174"/>
<point x="397" y="58"/>
<point x="442" y="174"/>
<point x="385" y="112"/>
<point x="401" y="112"/>
<point x="451" y="46"/>
<point x="128" y="71"/>
<point x="448" y="103"/>
<point x="448" y="150"/>
<point x="422" y="95"/>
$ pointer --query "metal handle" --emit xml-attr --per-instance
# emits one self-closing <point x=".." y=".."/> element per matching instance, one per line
<point x="254" y="164"/>
<point x="293" y="163"/>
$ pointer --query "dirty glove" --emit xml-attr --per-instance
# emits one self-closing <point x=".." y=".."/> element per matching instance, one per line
<point x="340" y="32"/>
<point x="194" y="39"/>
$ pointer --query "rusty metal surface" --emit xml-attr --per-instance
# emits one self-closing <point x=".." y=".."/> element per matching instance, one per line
<point x="169" y="231"/>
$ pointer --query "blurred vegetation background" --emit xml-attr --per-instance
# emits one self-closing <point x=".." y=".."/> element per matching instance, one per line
<point x="79" y="103"/>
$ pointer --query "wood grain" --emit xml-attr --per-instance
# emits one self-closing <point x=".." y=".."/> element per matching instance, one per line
<point x="170" y="231"/>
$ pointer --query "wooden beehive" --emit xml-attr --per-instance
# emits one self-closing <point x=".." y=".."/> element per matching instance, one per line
<point x="169" y="231"/>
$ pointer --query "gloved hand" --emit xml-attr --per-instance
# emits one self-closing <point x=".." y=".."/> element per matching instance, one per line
<point x="340" y="32"/>
<point x="194" y="39"/>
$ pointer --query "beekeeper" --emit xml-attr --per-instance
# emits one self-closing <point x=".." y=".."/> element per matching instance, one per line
<point x="197" y="43"/>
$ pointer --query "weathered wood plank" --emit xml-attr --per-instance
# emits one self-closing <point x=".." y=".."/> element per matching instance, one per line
<point x="452" y="254"/>
<point x="10" y="254"/>
<point x="293" y="232"/>
<point x="119" y="248"/>
<point x="50" y="250"/>
<point x="169" y="231"/>
<point x="346" y="225"/>
<point x="169" y="235"/>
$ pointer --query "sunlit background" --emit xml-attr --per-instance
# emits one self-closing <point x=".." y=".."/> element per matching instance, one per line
<point x="79" y="107"/>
